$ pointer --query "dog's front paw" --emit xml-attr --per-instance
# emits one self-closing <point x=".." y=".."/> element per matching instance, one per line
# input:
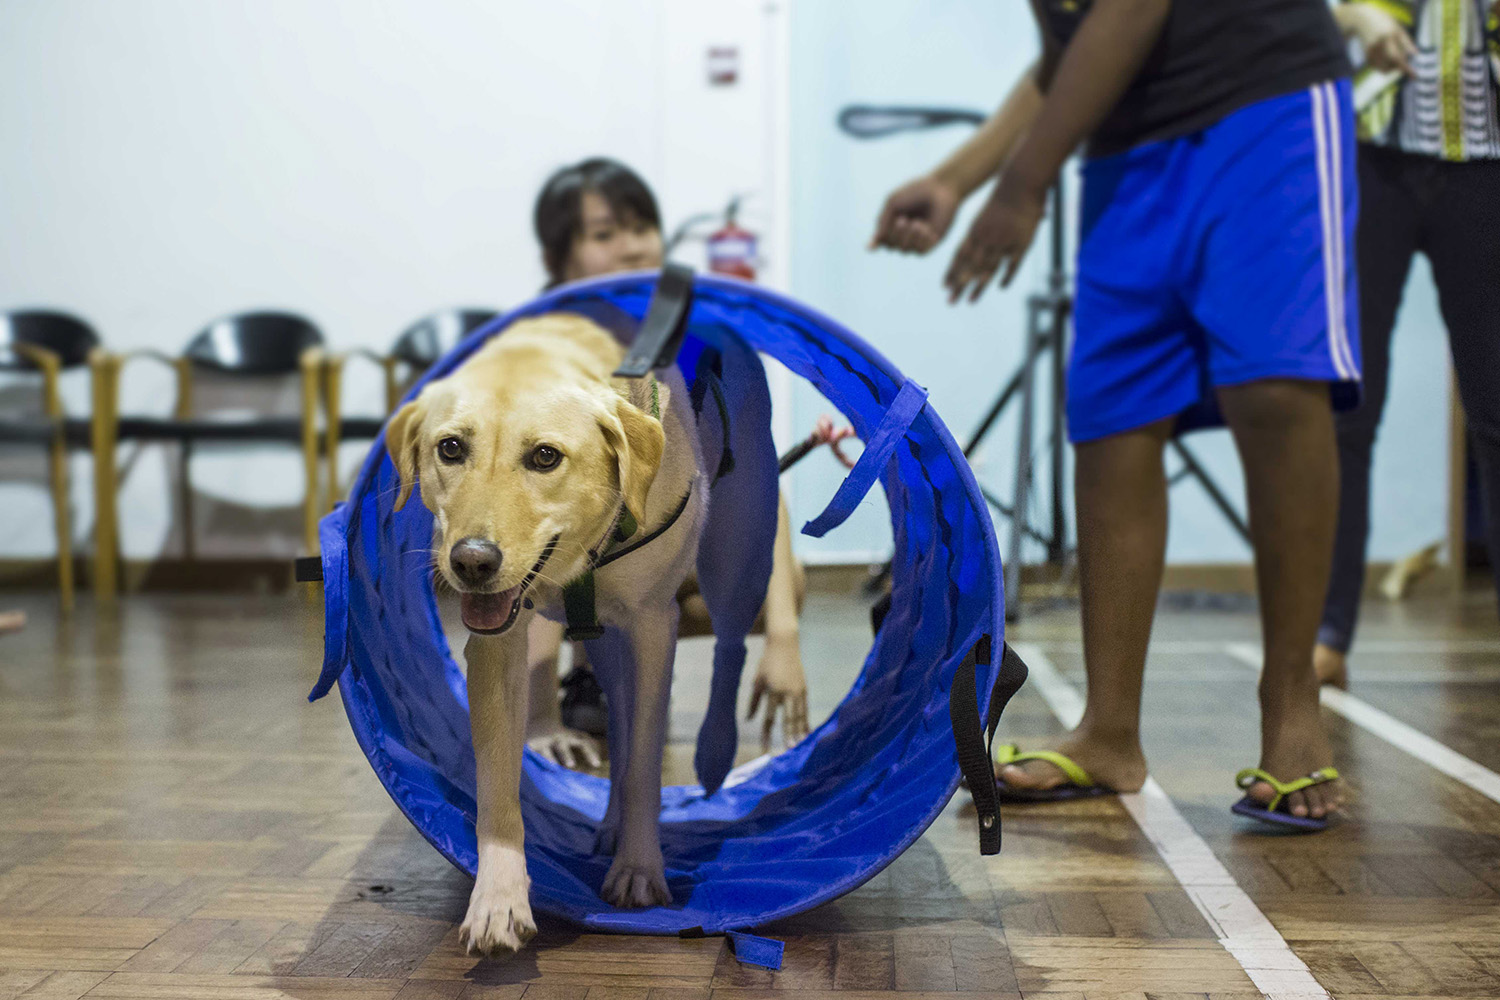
<point x="499" y="918"/>
<point x="633" y="883"/>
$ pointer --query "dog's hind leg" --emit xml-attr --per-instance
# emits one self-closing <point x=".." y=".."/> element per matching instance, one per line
<point x="735" y="556"/>
<point x="638" y="877"/>
<point x="614" y="668"/>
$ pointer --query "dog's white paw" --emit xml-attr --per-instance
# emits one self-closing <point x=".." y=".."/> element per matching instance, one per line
<point x="499" y="918"/>
<point x="567" y="747"/>
<point x="495" y="926"/>
<point x="636" y="882"/>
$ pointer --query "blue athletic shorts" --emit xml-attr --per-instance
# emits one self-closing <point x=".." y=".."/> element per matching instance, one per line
<point x="1218" y="258"/>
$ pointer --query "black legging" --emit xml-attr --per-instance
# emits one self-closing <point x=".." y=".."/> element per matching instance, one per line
<point x="1450" y="212"/>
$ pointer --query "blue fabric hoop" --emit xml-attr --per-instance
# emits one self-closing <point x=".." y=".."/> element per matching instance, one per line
<point x="784" y="834"/>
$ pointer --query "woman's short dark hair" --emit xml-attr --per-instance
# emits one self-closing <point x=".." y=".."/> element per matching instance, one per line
<point x="559" y="207"/>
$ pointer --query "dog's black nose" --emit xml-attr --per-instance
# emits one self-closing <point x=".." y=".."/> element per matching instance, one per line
<point x="475" y="561"/>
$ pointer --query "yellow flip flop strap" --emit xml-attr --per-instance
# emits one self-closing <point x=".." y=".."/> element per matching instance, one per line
<point x="1251" y="775"/>
<point x="1009" y="753"/>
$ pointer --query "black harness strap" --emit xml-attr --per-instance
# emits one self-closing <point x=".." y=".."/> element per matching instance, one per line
<point x="709" y="378"/>
<point x="579" y="598"/>
<point x="661" y="333"/>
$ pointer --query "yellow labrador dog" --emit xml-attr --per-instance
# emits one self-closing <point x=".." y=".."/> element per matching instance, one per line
<point x="530" y="456"/>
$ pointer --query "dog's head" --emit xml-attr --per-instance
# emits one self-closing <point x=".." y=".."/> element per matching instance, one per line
<point x="524" y="459"/>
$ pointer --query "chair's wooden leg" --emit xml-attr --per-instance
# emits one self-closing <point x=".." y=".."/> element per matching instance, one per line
<point x="185" y="492"/>
<point x="102" y="436"/>
<point x="312" y="376"/>
<point x="61" y="502"/>
<point x="333" y="392"/>
<point x="392" y="389"/>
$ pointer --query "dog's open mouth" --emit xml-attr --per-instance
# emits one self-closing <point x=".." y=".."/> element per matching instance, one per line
<point x="494" y="614"/>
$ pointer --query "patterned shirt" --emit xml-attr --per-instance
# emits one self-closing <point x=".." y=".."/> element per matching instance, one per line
<point x="1449" y="107"/>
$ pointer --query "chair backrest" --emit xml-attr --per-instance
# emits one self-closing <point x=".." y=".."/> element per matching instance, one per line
<point x="428" y="339"/>
<point x="254" y="343"/>
<point x="69" y="337"/>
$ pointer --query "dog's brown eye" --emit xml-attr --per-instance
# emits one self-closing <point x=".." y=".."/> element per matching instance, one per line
<point x="544" y="458"/>
<point x="451" y="450"/>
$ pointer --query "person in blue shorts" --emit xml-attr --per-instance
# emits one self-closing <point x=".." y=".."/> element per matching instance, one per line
<point x="1214" y="286"/>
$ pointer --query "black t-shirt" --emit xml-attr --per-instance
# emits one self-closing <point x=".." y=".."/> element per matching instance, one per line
<point x="1213" y="57"/>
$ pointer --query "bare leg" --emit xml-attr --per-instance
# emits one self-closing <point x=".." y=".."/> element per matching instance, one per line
<point x="1122" y="536"/>
<point x="545" y="732"/>
<point x="1284" y="432"/>
<point x="780" y="680"/>
<point x="499" y="916"/>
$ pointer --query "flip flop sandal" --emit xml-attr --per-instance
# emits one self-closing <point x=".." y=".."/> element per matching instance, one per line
<point x="1078" y="786"/>
<point x="1275" y="811"/>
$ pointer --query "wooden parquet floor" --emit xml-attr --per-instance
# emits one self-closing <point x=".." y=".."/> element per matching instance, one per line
<point x="176" y="821"/>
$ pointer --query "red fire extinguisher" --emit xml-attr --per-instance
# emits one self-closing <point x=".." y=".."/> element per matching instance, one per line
<point x="732" y="250"/>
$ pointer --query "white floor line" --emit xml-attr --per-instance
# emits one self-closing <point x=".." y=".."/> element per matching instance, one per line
<point x="1384" y="647"/>
<point x="1367" y="674"/>
<point x="1243" y="930"/>
<point x="1395" y="732"/>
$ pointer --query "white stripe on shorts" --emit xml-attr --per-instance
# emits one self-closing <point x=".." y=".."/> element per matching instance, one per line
<point x="1341" y="262"/>
<point x="1324" y="105"/>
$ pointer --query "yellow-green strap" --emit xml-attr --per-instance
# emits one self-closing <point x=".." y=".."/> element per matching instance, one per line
<point x="1251" y="775"/>
<point x="1009" y="753"/>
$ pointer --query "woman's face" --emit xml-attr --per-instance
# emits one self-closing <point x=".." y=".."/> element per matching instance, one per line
<point x="607" y="244"/>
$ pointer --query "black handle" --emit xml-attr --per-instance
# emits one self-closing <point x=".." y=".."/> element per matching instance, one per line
<point x="866" y="121"/>
<point x="972" y="735"/>
<point x="660" y="337"/>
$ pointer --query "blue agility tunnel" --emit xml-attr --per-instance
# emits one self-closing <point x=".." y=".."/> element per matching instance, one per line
<point x="780" y="837"/>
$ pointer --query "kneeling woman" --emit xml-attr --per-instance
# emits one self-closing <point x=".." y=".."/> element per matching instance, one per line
<point x="595" y="218"/>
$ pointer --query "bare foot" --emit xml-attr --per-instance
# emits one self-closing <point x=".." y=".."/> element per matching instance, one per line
<point x="12" y="621"/>
<point x="1116" y="763"/>
<point x="1332" y="666"/>
<point x="1294" y="745"/>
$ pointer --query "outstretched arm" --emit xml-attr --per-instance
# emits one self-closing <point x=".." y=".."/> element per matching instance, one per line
<point x="1082" y="83"/>
<point x="917" y="215"/>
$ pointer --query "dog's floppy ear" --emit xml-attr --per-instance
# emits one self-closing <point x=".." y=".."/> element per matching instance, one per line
<point x="402" y="435"/>
<point x="637" y="440"/>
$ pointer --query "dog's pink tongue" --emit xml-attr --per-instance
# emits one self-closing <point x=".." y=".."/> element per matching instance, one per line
<point x="487" y="612"/>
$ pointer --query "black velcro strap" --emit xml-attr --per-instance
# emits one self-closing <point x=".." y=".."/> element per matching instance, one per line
<point x="578" y="603"/>
<point x="661" y="333"/>
<point x="972" y="736"/>
<point x="308" y="569"/>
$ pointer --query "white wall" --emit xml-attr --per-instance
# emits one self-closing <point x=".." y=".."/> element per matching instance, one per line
<point x="165" y="162"/>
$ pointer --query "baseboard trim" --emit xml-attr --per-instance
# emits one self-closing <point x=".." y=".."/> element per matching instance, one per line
<point x="216" y="575"/>
<point x="275" y="576"/>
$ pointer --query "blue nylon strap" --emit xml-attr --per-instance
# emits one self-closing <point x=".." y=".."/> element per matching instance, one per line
<point x="752" y="950"/>
<point x="878" y="450"/>
<point x="333" y="544"/>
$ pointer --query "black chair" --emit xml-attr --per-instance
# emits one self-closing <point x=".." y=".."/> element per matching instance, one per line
<point x="249" y="345"/>
<point x="47" y="343"/>
<point x="417" y="349"/>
